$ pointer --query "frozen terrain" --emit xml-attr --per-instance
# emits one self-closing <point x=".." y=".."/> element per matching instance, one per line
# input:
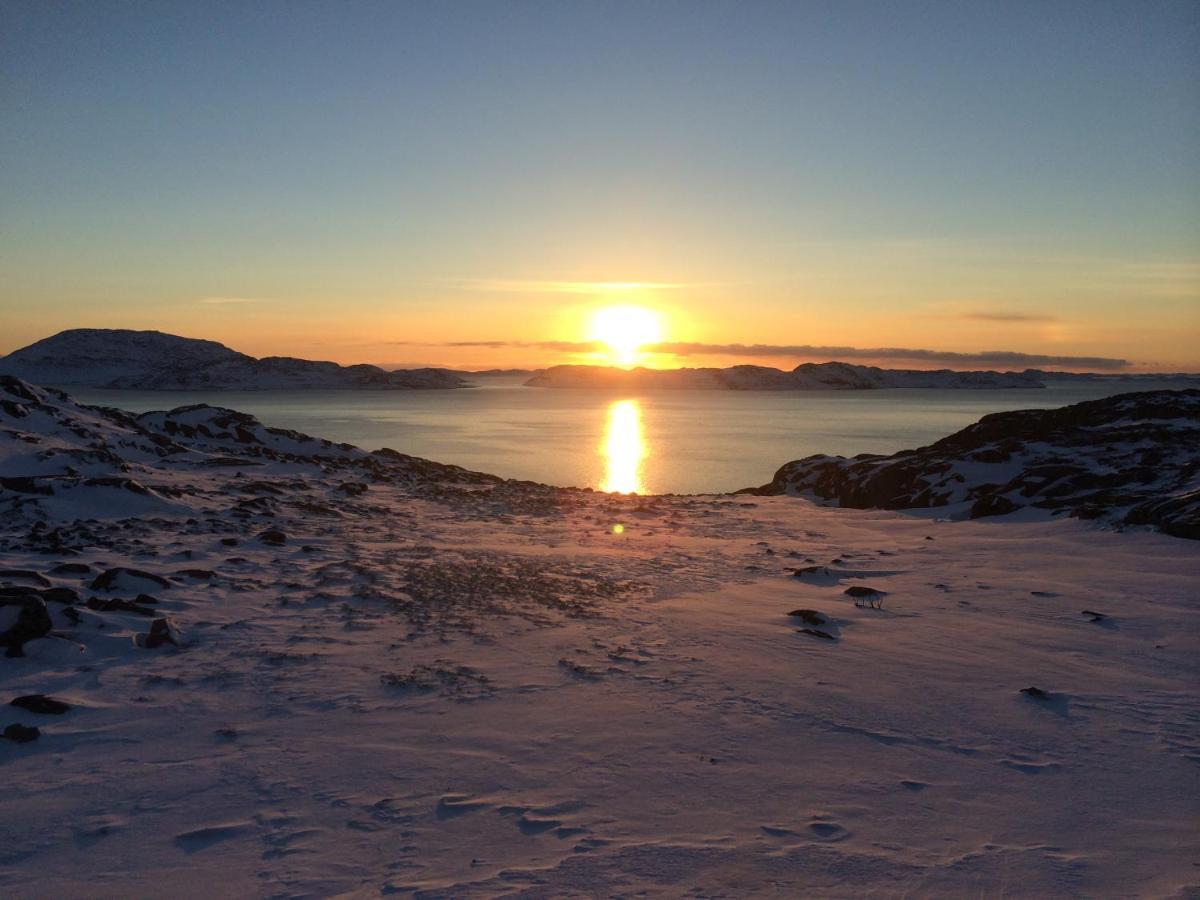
<point x="154" y="361"/>
<point x="296" y="669"/>
<point x="1131" y="458"/>
<point x="830" y="376"/>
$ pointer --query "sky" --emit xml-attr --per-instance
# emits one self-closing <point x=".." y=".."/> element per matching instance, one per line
<point x="465" y="184"/>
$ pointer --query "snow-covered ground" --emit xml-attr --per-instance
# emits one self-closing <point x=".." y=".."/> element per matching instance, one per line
<point x="435" y="683"/>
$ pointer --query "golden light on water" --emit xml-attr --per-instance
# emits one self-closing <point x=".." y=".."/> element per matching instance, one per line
<point x="625" y="330"/>
<point x="623" y="449"/>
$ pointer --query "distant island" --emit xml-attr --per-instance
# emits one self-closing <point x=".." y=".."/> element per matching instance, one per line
<point x="830" y="376"/>
<point x="153" y="361"/>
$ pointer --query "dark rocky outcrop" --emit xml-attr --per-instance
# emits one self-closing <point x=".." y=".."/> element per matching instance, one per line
<point x="21" y="734"/>
<point x="33" y="621"/>
<point x="40" y="704"/>
<point x="1132" y="459"/>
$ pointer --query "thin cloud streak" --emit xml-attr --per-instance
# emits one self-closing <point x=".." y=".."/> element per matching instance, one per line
<point x="810" y="351"/>
<point x="521" y="286"/>
<point x="225" y="301"/>
<point x="1004" y="317"/>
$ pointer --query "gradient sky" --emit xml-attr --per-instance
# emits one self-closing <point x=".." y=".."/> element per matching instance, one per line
<point x="448" y="182"/>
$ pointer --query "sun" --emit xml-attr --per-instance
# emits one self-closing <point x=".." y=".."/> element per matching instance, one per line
<point x="626" y="329"/>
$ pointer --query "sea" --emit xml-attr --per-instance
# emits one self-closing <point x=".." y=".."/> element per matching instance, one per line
<point x="682" y="442"/>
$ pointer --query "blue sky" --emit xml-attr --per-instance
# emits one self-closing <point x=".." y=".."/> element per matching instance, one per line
<point x="845" y="173"/>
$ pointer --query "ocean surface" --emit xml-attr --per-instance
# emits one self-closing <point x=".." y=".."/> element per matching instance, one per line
<point x="652" y="442"/>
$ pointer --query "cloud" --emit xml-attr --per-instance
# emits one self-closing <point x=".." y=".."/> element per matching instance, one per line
<point x="1000" y="316"/>
<point x="224" y="301"/>
<point x="563" y="346"/>
<point x="982" y="358"/>
<point x="524" y="286"/>
<point x="1007" y="358"/>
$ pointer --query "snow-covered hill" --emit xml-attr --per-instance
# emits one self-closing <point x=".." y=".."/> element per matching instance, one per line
<point x="151" y="360"/>
<point x="805" y="377"/>
<point x="1133" y="459"/>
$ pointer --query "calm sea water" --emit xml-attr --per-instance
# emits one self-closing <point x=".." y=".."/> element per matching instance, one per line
<point x="653" y="442"/>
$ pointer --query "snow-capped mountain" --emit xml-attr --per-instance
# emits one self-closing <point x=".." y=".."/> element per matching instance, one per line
<point x="1133" y="458"/>
<point x="806" y="377"/>
<point x="152" y="360"/>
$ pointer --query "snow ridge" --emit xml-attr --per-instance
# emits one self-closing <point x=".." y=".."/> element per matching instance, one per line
<point x="1131" y="459"/>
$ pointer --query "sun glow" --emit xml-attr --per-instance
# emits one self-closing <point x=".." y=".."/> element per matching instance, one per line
<point x="626" y="329"/>
<point x="623" y="449"/>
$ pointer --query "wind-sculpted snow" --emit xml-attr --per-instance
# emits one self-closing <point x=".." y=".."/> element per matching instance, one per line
<point x="290" y="667"/>
<point x="1132" y="459"/>
<point x="832" y="376"/>
<point x="153" y="361"/>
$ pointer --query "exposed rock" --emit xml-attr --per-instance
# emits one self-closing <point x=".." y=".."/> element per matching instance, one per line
<point x="1132" y="459"/>
<point x="41" y="704"/>
<point x="71" y="569"/>
<point x="162" y="631"/>
<point x="116" y="604"/>
<point x="11" y="575"/>
<point x="811" y="616"/>
<point x="21" y="734"/>
<point x="33" y="621"/>
<point x="113" y="577"/>
<point x="992" y="505"/>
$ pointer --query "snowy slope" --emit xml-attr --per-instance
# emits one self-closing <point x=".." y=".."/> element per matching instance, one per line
<point x="151" y="360"/>
<point x="806" y="377"/>
<point x="1132" y="459"/>
<point x="378" y="675"/>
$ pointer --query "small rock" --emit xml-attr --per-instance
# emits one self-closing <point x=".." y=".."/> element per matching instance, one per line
<point x="811" y="616"/>
<point x="22" y="734"/>
<point x="229" y="542"/>
<point x="992" y="505"/>
<point x="1036" y="692"/>
<point x="809" y="570"/>
<point x="41" y="704"/>
<point x="33" y="621"/>
<point x="24" y="575"/>
<point x="857" y="590"/>
<point x="106" y="580"/>
<point x="273" y="537"/>
<point x="162" y="631"/>
<point x="1096" y="616"/>
<point x="71" y="569"/>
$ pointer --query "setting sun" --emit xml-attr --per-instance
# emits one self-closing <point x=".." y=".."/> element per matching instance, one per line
<point x="625" y="329"/>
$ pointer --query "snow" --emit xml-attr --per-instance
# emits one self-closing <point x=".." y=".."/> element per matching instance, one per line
<point x="448" y="685"/>
<point x="152" y="360"/>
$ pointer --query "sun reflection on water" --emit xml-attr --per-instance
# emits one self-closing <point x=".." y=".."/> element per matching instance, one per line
<point x="623" y="449"/>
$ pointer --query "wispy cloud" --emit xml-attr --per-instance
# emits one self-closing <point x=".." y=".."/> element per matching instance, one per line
<point x="228" y="301"/>
<point x="1004" y="358"/>
<point x="1002" y="316"/>
<point x="562" y="346"/>
<point x="527" y="286"/>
